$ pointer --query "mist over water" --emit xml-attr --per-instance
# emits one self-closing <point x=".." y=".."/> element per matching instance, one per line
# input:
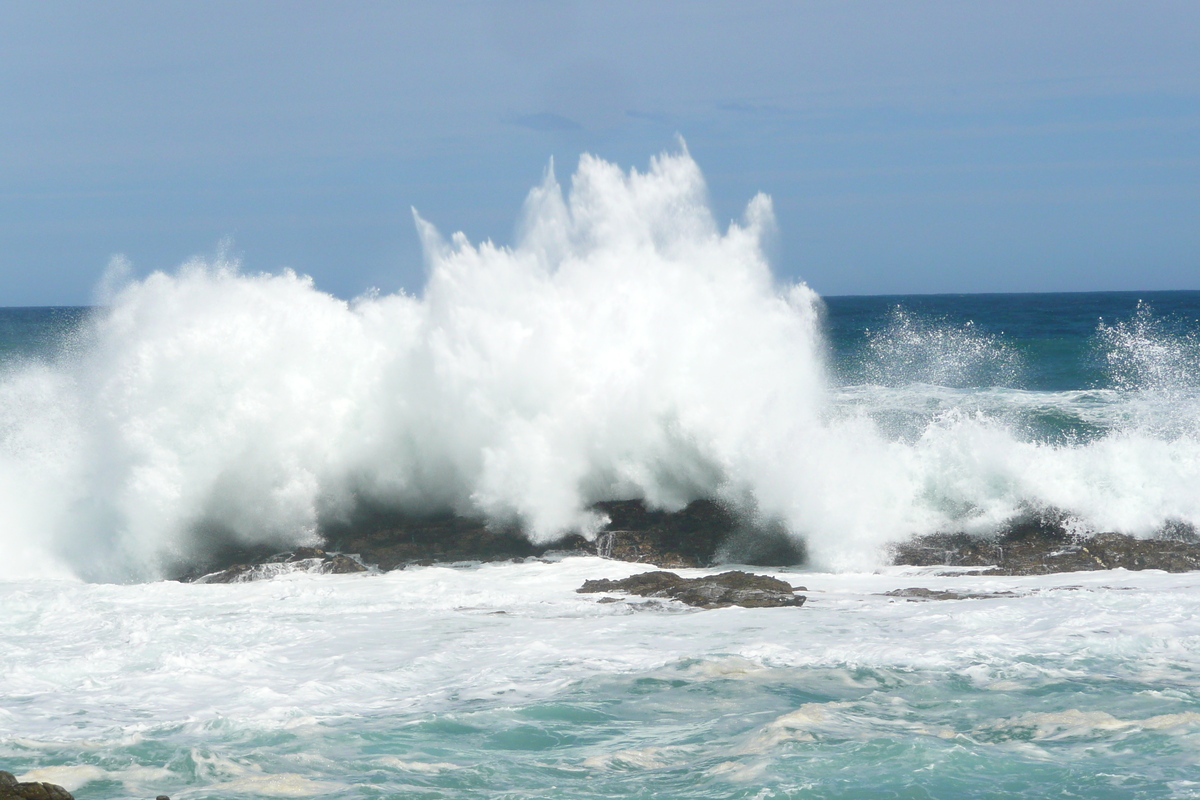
<point x="626" y="346"/>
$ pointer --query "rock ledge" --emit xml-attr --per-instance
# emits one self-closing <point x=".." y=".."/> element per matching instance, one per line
<point x="1039" y="548"/>
<point x="12" y="789"/>
<point x="302" y="559"/>
<point x="734" y="588"/>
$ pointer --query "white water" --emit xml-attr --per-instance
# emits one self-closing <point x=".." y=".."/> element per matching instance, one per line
<point x="626" y="346"/>
<point x="501" y="678"/>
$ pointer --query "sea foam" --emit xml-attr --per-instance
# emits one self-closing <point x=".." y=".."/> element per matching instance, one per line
<point x="626" y="346"/>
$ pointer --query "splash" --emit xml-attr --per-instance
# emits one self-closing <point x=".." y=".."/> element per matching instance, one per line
<point x="916" y="350"/>
<point x="1147" y="353"/>
<point x="626" y="346"/>
<point x="1155" y="363"/>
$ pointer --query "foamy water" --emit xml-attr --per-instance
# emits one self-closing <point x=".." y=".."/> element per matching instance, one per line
<point x="499" y="679"/>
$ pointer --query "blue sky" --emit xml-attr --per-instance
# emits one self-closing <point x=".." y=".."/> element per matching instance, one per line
<point x="909" y="147"/>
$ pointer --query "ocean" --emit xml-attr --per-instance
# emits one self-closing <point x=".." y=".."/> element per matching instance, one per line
<point x="627" y="346"/>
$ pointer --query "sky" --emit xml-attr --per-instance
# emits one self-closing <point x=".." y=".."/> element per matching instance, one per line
<point x="917" y="147"/>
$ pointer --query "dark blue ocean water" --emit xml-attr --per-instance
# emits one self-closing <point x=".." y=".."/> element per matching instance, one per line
<point x="38" y="333"/>
<point x="1038" y="342"/>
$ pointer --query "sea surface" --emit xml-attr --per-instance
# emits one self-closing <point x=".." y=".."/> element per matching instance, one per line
<point x="626" y="346"/>
<point x="499" y="680"/>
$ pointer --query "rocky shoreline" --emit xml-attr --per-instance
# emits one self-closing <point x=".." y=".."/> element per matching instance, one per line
<point x="13" y="789"/>
<point x="1043" y="544"/>
<point x="703" y="534"/>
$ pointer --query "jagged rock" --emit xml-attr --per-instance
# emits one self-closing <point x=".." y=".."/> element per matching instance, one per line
<point x="686" y="538"/>
<point x="392" y="541"/>
<point x="701" y="534"/>
<point x="307" y="559"/>
<point x="12" y="789"/>
<point x="1040" y="545"/>
<point x="734" y="588"/>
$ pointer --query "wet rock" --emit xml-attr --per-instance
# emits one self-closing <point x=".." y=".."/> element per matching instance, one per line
<point x="12" y="789"/>
<point x="305" y="559"/>
<point x="686" y="538"/>
<point x="1041" y="545"/>
<point x="698" y="535"/>
<point x="734" y="588"/>
<point x="390" y="541"/>
<point x="917" y="593"/>
<point x="690" y="537"/>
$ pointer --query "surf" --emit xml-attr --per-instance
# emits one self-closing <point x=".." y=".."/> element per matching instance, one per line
<point x="625" y="346"/>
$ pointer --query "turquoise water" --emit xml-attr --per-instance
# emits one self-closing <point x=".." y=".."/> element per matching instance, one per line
<point x="499" y="681"/>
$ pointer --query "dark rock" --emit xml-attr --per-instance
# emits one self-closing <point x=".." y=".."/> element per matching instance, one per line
<point x="308" y="559"/>
<point x="701" y="534"/>
<point x="916" y="593"/>
<point x="12" y="789"/>
<point x="342" y="565"/>
<point x="690" y="537"/>
<point x="390" y="540"/>
<point x="733" y="588"/>
<point x="162" y="797"/>
<point x="1038" y="545"/>
<point x="686" y="538"/>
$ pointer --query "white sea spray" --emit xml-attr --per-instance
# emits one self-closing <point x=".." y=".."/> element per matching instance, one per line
<point x="626" y="346"/>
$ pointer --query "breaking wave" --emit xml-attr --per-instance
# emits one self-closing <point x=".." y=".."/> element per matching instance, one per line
<point x="626" y="346"/>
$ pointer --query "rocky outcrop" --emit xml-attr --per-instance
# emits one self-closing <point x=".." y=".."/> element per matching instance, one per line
<point x="302" y="559"/>
<point x="391" y="541"/>
<point x="733" y="588"/>
<point x="699" y="535"/>
<point x="1040" y="545"/>
<point x="12" y="789"/>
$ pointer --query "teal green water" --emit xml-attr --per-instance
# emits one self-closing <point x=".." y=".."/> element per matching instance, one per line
<point x="499" y="681"/>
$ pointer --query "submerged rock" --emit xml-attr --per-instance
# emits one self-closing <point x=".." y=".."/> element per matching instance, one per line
<point x="1040" y="545"/>
<point x="12" y="789"/>
<point x="734" y="588"/>
<point x="917" y="593"/>
<point x="302" y="559"/>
